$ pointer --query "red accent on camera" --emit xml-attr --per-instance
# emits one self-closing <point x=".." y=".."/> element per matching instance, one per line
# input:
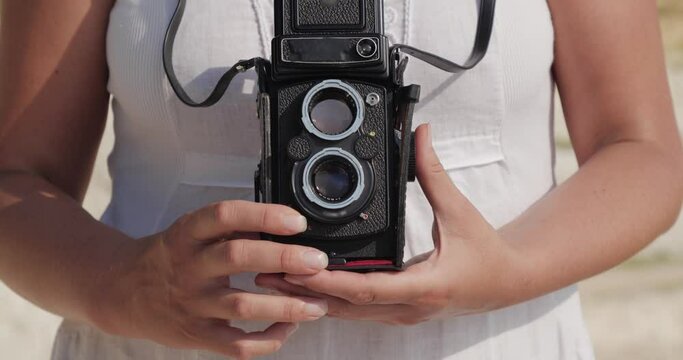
<point x="358" y="263"/>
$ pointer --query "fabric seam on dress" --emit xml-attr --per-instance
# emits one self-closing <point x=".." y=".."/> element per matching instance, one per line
<point x="407" y="20"/>
<point x="260" y="23"/>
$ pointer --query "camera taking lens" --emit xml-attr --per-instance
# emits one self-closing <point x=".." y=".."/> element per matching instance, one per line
<point x="334" y="179"/>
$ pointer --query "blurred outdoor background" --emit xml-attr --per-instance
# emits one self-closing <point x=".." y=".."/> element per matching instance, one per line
<point x="634" y="311"/>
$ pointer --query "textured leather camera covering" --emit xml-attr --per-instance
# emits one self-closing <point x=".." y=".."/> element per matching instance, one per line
<point x="317" y="13"/>
<point x="367" y="147"/>
<point x="313" y="12"/>
<point x="299" y="148"/>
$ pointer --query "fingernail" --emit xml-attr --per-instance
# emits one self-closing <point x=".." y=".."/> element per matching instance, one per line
<point x="295" y="223"/>
<point x="292" y="279"/>
<point x="316" y="309"/>
<point x="315" y="259"/>
<point x="294" y="327"/>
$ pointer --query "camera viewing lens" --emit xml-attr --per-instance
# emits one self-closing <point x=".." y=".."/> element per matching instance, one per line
<point x="366" y="48"/>
<point x="334" y="179"/>
<point x="332" y="111"/>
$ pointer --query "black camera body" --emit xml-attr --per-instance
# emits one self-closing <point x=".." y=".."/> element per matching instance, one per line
<point x="336" y="120"/>
<point x="337" y="141"/>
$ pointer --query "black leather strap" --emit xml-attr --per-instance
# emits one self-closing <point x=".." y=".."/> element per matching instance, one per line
<point x="487" y="9"/>
<point x="481" y="44"/>
<point x="223" y="83"/>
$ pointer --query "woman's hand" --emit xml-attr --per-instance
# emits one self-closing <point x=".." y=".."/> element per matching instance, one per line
<point x="175" y="289"/>
<point x="468" y="271"/>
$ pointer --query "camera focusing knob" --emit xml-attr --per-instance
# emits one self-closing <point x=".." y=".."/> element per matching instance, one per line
<point x="412" y="159"/>
<point x="298" y="149"/>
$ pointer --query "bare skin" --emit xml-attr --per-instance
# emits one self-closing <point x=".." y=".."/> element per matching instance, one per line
<point x="612" y="81"/>
<point x="172" y="287"/>
<point x="611" y="75"/>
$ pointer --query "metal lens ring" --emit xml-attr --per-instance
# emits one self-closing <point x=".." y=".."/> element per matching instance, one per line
<point x="366" y="47"/>
<point x="335" y="161"/>
<point x="332" y="110"/>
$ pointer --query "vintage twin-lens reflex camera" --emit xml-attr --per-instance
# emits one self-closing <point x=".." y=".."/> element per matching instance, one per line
<point x="337" y="141"/>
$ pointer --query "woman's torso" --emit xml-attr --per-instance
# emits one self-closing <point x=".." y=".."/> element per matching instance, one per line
<point x="492" y="129"/>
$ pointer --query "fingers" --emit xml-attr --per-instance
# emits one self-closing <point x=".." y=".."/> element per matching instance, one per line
<point x="233" y="342"/>
<point x="224" y="218"/>
<point x="239" y="305"/>
<point x="277" y="282"/>
<point x="339" y="308"/>
<point x="393" y="314"/>
<point x="435" y="182"/>
<point x="233" y="256"/>
<point x="364" y="289"/>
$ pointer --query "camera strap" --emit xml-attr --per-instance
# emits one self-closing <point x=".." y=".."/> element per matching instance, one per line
<point x="223" y="82"/>
<point x="487" y="9"/>
<point x="481" y="44"/>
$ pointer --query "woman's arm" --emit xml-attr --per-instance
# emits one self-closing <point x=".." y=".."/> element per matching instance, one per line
<point x="611" y="74"/>
<point x="53" y="105"/>
<point x="612" y="79"/>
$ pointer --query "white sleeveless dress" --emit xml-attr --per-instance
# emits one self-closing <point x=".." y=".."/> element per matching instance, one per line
<point x="492" y="128"/>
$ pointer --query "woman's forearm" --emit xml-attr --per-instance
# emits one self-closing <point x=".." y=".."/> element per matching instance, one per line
<point x="619" y="201"/>
<point x="52" y="252"/>
<point x="171" y="287"/>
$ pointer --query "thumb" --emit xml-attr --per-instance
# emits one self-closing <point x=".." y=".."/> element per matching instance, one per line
<point x="442" y="194"/>
<point x="434" y="181"/>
